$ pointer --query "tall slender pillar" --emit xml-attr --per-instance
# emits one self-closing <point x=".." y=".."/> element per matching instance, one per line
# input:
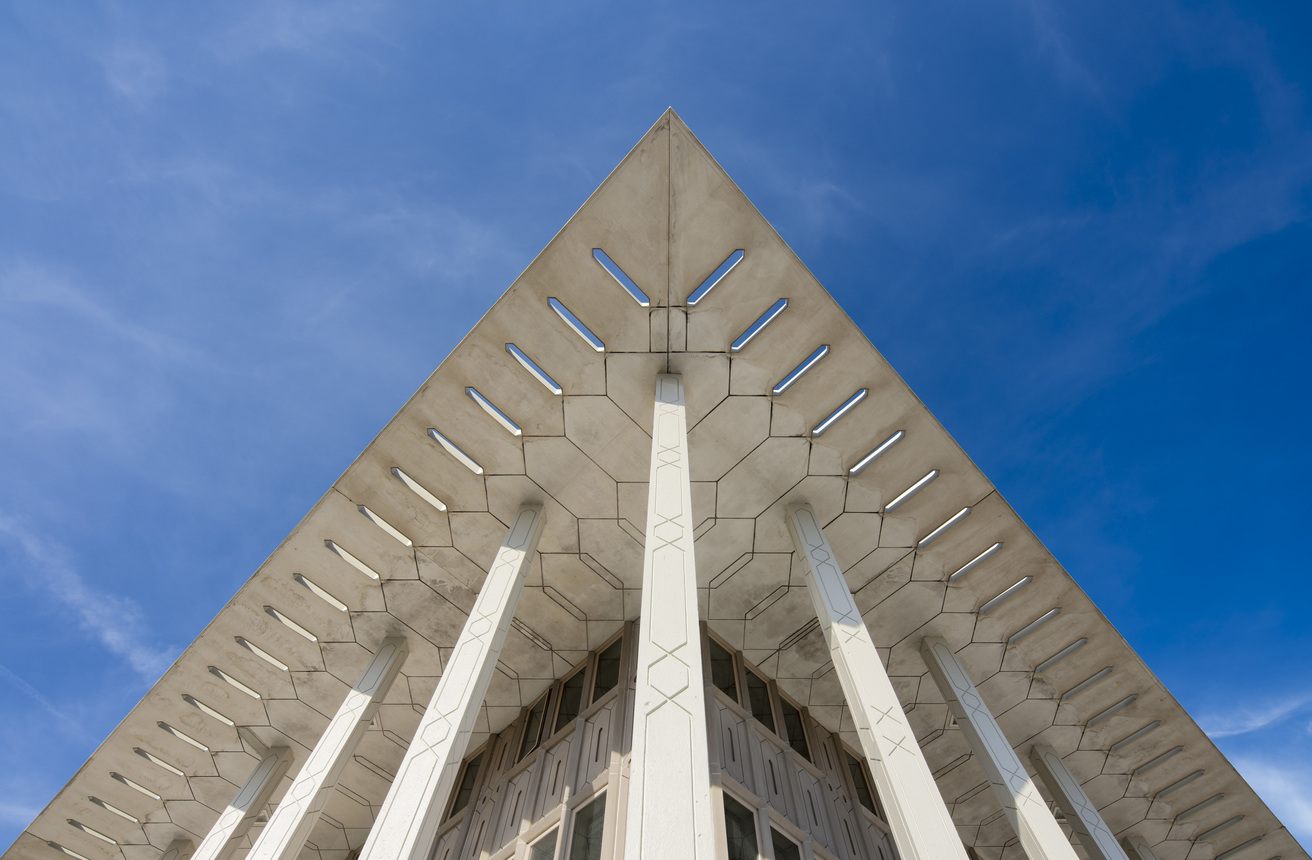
<point x="298" y="812"/>
<point x="917" y="815"/>
<point x="1040" y="835"/>
<point x="221" y="841"/>
<point x="1094" y="834"/>
<point x="408" y="820"/>
<point x="669" y="803"/>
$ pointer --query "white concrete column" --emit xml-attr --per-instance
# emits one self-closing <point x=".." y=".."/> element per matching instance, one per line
<point x="1137" y="848"/>
<point x="922" y="827"/>
<point x="408" y="820"/>
<point x="221" y="841"/>
<point x="1085" y="819"/>
<point x="291" y="823"/>
<point x="669" y="802"/>
<point x="1040" y="835"/>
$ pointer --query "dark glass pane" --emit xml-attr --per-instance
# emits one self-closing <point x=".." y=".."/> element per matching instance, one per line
<point x="722" y="670"/>
<point x="533" y="726"/>
<point x="739" y="830"/>
<point x="544" y="848"/>
<point x="758" y="699"/>
<point x="796" y="728"/>
<point x="608" y="670"/>
<point x="571" y="700"/>
<point x="589" y="822"/>
<point x="862" y="785"/>
<point x="465" y="787"/>
<point x="784" y="848"/>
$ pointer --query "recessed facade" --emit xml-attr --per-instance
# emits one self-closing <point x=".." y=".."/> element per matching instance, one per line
<point x="663" y="561"/>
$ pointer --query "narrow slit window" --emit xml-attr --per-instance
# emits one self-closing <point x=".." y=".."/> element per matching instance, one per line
<point x="544" y="848"/>
<point x="713" y="280"/>
<point x="576" y="325"/>
<point x="758" y="699"/>
<point x="907" y="494"/>
<point x="1060" y="655"/>
<point x="290" y="624"/>
<point x="723" y="675"/>
<point x="1086" y="684"/>
<point x="351" y="560"/>
<point x="796" y="373"/>
<point x="135" y="786"/>
<point x="612" y="268"/>
<point x="319" y="592"/>
<point x="589" y="828"/>
<point x="533" y="725"/>
<point x="755" y="328"/>
<point x="206" y="709"/>
<point x="73" y="822"/>
<point x="383" y="525"/>
<point x="975" y="562"/>
<point x="111" y="808"/>
<point x="739" y="830"/>
<point x="535" y="370"/>
<point x="942" y="529"/>
<point x="571" y="700"/>
<point x="876" y="453"/>
<point x="233" y="682"/>
<point x="607" y="675"/>
<point x="1006" y="594"/>
<point x="865" y="795"/>
<point x="795" y="726"/>
<point x="1034" y="625"/>
<point x="784" y="848"/>
<point x="418" y="489"/>
<point x="455" y="451"/>
<point x="494" y="411"/>
<point x="465" y="785"/>
<point x="840" y="412"/>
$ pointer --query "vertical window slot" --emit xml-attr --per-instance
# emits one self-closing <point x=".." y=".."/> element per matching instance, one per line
<point x="840" y="412"/>
<point x="796" y="373"/>
<point x="576" y="324"/>
<point x="534" y="369"/>
<point x="612" y="268"/>
<point x="755" y="328"/>
<point x="713" y="280"/>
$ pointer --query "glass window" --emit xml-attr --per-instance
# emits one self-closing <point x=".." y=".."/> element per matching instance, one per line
<point x="722" y="674"/>
<point x="544" y="848"/>
<point x="465" y="785"/>
<point x="758" y="699"/>
<point x="608" y="670"/>
<point x="864" y="794"/>
<point x="739" y="830"/>
<point x="795" y="726"/>
<point x="533" y="726"/>
<point x="784" y="848"/>
<point x="571" y="700"/>
<point x="589" y="823"/>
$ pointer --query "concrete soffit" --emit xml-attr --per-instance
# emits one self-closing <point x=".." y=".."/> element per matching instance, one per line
<point x="667" y="267"/>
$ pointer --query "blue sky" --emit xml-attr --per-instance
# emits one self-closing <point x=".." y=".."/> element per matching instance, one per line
<point x="235" y="237"/>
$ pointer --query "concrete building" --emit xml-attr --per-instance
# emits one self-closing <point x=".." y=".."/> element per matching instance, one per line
<point x="663" y="561"/>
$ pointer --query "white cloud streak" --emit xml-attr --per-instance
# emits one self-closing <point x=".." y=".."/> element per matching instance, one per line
<point x="116" y="622"/>
<point x="1243" y="721"/>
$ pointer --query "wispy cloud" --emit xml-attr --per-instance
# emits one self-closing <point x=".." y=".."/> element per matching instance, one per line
<point x="19" y="683"/>
<point x="135" y="73"/>
<point x="1283" y="783"/>
<point x="17" y="813"/>
<point x="23" y="283"/>
<point x="116" y="622"/>
<point x="1246" y="720"/>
